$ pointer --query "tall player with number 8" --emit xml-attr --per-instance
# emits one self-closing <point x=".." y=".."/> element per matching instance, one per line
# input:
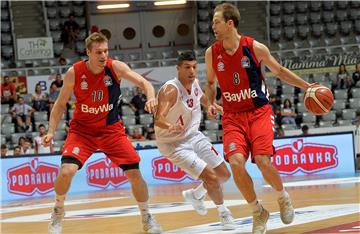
<point x="236" y="62"/>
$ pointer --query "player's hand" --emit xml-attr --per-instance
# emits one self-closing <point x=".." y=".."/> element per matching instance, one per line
<point x="176" y="128"/>
<point x="151" y="105"/>
<point x="47" y="139"/>
<point x="313" y="85"/>
<point x="213" y="109"/>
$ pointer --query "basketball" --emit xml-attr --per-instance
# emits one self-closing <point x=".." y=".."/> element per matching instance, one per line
<point x="318" y="100"/>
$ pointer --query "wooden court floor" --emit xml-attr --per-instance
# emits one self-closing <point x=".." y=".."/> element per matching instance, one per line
<point x="328" y="206"/>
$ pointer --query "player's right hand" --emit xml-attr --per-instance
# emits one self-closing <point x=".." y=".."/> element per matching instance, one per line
<point x="47" y="139"/>
<point x="176" y="128"/>
<point x="213" y="109"/>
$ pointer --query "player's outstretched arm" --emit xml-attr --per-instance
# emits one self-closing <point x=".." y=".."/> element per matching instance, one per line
<point x="60" y="105"/>
<point x="263" y="55"/>
<point x="167" y="98"/>
<point x="123" y="71"/>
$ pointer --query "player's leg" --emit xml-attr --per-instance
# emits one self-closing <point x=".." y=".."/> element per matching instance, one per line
<point x="236" y="150"/>
<point x="206" y="151"/>
<point x="262" y="149"/>
<point x="140" y="191"/>
<point x="76" y="151"/>
<point x="115" y="144"/>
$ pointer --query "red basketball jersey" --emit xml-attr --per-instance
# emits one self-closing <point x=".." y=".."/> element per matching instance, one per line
<point x="97" y="96"/>
<point x="240" y="77"/>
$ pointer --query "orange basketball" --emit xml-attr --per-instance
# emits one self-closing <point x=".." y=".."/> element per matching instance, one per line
<point x="318" y="99"/>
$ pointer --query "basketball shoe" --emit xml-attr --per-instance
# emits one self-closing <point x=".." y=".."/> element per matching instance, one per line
<point x="259" y="221"/>
<point x="227" y="221"/>
<point x="287" y="212"/>
<point x="150" y="225"/>
<point x="57" y="216"/>
<point x="198" y="204"/>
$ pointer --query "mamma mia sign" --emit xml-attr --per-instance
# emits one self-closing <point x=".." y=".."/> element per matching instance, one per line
<point x="296" y="63"/>
<point x="35" y="48"/>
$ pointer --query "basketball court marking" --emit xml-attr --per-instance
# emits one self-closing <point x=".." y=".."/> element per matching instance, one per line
<point x="321" y="182"/>
<point x="119" y="211"/>
<point x="23" y="207"/>
<point x="344" y="228"/>
<point x="302" y="216"/>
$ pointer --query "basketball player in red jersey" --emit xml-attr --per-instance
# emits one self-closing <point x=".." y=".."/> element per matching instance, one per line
<point x="96" y="125"/>
<point x="236" y="62"/>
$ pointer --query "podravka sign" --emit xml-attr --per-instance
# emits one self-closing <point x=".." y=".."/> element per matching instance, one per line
<point x="306" y="157"/>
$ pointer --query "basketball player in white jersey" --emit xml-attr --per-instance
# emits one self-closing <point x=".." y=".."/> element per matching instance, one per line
<point x="178" y="138"/>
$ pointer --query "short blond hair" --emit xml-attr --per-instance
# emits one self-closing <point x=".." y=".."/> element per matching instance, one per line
<point x="95" y="37"/>
<point x="229" y="12"/>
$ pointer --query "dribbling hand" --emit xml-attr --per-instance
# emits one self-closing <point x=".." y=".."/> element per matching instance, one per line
<point x="213" y="109"/>
<point x="47" y="139"/>
<point x="151" y="105"/>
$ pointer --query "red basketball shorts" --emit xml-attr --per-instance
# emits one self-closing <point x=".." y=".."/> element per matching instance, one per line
<point x="82" y="142"/>
<point x="249" y="132"/>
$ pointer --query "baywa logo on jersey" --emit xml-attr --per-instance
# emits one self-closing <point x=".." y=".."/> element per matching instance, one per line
<point x="31" y="177"/>
<point x="305" y="157"/>
<point x="102" y="173"/>
<point x="164" y="169"/>
<point x="245" y="62"/>
<point x="107" y="80"/>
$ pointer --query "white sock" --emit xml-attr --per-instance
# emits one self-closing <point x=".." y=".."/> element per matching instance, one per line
<point x="282" y="193"/>
<point x="255" y="205"/>
<point x="199" y="191"/>
<point x="59" y="200"/>
<point x="143" y="207"/>
<point x="222" y="208"/>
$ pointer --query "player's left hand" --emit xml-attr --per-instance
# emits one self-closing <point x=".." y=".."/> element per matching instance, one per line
<point x="151" y="105"/>
<point x="213" y="109"/>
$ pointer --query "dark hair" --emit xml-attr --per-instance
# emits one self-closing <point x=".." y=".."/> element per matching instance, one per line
<point x="41" y="125"/>
<point x="304" y="128"/>
<point x="229" y="12"/>
<point x="342" y="64"/>
<point x="188" y="55"/>
<point x="287" y="100"/>
<point x="3" y="146"/>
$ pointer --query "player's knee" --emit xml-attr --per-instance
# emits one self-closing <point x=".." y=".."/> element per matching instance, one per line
<point x="237" y="162"/>
<point x="262" y="161"/>
<point x="210" y="179"/>
<point x="67" y="172"/>
<point x="133" y="175"/>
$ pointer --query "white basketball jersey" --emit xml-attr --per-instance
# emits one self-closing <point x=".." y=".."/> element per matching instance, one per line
<point x="187" y="111"/>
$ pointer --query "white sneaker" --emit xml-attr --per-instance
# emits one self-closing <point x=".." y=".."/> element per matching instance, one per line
<point x="198" y="204"/>
<point x="150" y="225"/>
<point x="227" y="221"/>
<point x="287" y="212"/>
<point x="57" y="216"/>
<point x="260" y="219"/>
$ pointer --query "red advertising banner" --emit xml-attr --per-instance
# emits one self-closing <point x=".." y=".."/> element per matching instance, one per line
<point x="103" y="173"/>
<point x="29" y="178"/>
<point x="164" y="169"/>
<point x="306" y="157"/>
